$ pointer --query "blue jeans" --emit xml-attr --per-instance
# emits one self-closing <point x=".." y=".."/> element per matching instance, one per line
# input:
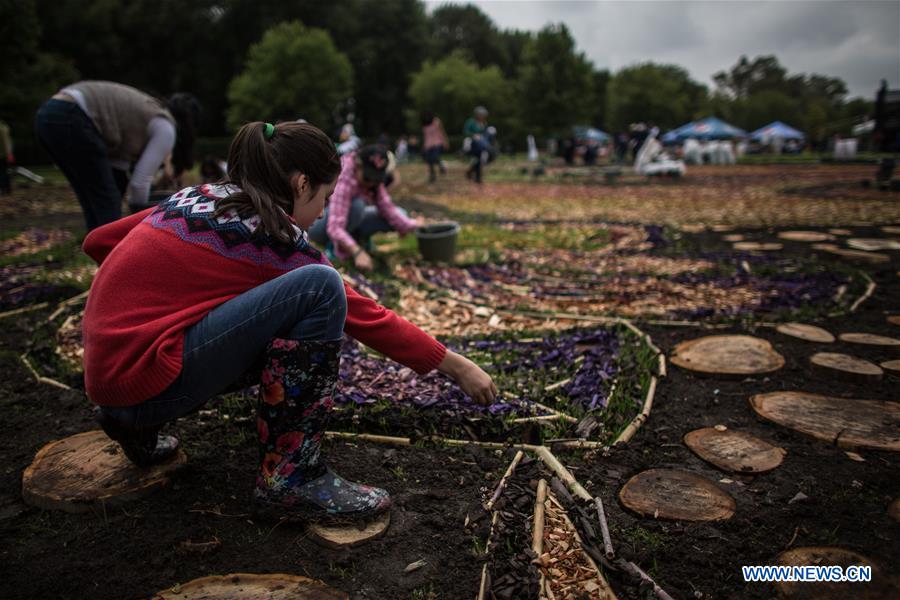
<point x="307" y="303"/>
<point x="363" y="221"/>
<point x="77" y="148"/>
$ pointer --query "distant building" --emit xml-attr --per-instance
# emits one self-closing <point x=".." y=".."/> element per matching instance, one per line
<point x="886" y="136"/>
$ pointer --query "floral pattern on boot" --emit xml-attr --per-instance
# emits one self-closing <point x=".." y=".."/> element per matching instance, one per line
<point x="294" y="407"/>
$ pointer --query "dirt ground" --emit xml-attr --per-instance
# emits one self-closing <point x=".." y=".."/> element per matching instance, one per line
<point x="137" y="550"/>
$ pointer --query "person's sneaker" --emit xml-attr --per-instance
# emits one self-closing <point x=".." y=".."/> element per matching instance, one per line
<point x="327" y="498"/>
<point x="144" y="447"/>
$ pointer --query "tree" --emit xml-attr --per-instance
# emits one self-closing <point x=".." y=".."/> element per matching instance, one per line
<point x="746" y="78"/>
<point x="661" y="94"/>
<point x="556" y="83"/>
<point x="452" y="87"/>
<point x="456" y="27"/>
<point x="29" y="75"/>
<point x="293" y="72"/>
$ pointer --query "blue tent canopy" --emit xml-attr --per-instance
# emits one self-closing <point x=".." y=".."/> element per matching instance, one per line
<point x="709" y="128"/>
<point x="590" y="133"/>
<point x="776" y="129"/>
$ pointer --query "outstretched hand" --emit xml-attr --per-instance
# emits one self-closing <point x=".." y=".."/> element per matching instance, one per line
<point x="471" y="378"/>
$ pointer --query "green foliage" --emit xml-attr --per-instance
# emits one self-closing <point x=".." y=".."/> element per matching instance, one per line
<point x="661" y="94"/>
<point x="556" y="83"/>
<point x="29" y="74"/>
<point x="456" y="27"/>
<point x="294" y="71"/>
<point x="452" y="87"/>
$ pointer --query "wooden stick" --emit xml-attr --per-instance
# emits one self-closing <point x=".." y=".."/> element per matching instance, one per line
<point x="482" y="589"/>
<point x="404" y="441"/>
<point x="869" y="290"/>
<point x="366" y="290"/>
<point x="562" y="472"/>
<point x="604" y="528"/>
<point x="40" y="378"/>
<point x="557" y="385"/>
<point x="639" y="573"/>
<point x="560" y="414"/>
<point x="537" y="531"/>
<point x="576" y="444"/>
<point x="607" y="591"/>
<point x="503" y="480"/>
<point x="542" y="419"/>
<point x="24" y="309"/>
<point x="639" y="420"/>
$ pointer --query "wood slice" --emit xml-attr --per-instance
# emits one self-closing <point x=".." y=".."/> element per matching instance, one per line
<point x="873" y="244"/>
<point x="749" y="246"/>
<point x="871" y="339"/>
<point x="829" y="556"/>
<point x="733" y="237"/>
<point x="805" y="236"/>
<point x="894" y="320"/>
<point x="693" y="227"/>
<point x="74" y="473"/>
<point x="348" y="536"/>
<point x="247" y="586"/>
<point x="861" y="255"/>
<point x="893" y="229"/>
<point x="734" y="451"/>
<point x="844" y="366"/>
<point x="722" y="228"/>
<point x="809" y="333"/>
<point x="847" y="423"/>
<point x="728" y="355"/>
<point x="839" y="231"/>
<point x="894" y="510"/>
<point x="892" y="366"/>
<point x="676" y="495"/>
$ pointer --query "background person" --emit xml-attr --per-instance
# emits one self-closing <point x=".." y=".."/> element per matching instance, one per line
<point x="434" y="142"/>
<point x="96" y="130"/>
<point x="360" y="207"/>
<point x="475" y="129"/>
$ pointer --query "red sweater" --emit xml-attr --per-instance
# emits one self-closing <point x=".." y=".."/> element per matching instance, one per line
<point x="163" y="269"/>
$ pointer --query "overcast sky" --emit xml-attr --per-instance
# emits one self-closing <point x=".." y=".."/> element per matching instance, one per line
<point x="856" y="40"/>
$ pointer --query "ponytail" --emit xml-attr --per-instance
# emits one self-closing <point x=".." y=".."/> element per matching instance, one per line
<point x="261" y="162"/>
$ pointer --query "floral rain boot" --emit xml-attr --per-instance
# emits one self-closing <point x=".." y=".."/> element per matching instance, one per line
<point x="295" y="402"/>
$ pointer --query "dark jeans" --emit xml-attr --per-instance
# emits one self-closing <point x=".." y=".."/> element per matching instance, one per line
<point x="433" y="158"/>
<point x="363" y="222"/>
<point x="304" y="304"/>
<point x="75" y="145"/>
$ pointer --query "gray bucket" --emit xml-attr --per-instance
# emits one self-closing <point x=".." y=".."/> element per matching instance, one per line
<point x="437" y="242"/>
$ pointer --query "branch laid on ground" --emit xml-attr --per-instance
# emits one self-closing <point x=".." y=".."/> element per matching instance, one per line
<point x="67" y="303"/>
<point x="604" y="529"/>
<point x="869" y="290"/>
<point x="25" y="309"/>
<point x="537" y="531"/>
<point x="562" y="472"/>
<point x="502" y="485"/>
<point x="40" y="378"/>
<point x="639" y="420"/>
<point x="405" y="441"/>
<point x="661" y="366"/>
<point x="485" y="580"/>
<point x="636" y="571"/>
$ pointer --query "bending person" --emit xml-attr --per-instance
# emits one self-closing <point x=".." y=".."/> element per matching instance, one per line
<point x="218" y="283"/>
<point x="360" y="207"/>
<point x="96" y="131"/>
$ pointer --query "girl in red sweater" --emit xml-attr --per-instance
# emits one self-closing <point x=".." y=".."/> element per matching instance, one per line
<point x="219" y="281"/>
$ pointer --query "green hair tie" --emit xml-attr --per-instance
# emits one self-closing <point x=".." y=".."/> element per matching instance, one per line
<point x="269" y="131"/>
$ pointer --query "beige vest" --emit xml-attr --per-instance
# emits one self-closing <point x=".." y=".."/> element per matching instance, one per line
<point x="121" y="114"/>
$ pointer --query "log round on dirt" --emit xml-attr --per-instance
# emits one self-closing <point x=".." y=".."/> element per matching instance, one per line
<point x="805" y="236"/>
<point x="873" y="244"/>
<point x="733" y="237"/>
<point x="891" y="366"/>
<point x="727" y="355"/>
<point x="350" y="535"/>
<point x="734" y="451"/>
<point x="871" y="339"/>
<point x="754" y="246"/>
<point x="85" y="469"/>
<point x="848" y="423"/>
<point x="861" y="255"/>
<point x="250" y="586"/>
<point x="826" y="556"/>
<point x="676" y="495"/>
<point x="844" y="366"/>
<point x="839" y="231"/>
<point x="809" y="333"/>
<point x="891" y="229"/>
<point x="894" y="320"/>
